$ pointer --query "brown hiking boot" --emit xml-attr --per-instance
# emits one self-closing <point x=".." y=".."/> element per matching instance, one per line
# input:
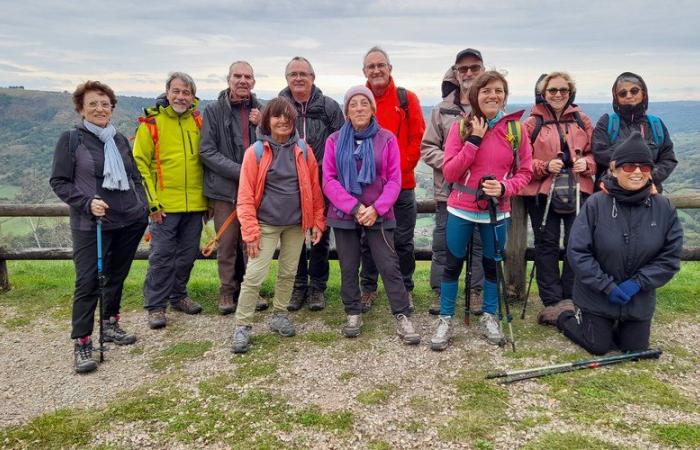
<point x="297" y="300"/>
<point x="435" y="306"/>
<point x="550" y="314"/>
<point x="226" y="304"/>
<point x="367" y="299"/>
<point x="317" y="301"/>
<point x="156" y="319"/>
<point x="186" y="305"/>
<point x="476" y="302"/>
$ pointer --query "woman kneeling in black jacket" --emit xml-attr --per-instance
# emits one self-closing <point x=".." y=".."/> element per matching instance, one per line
<point x="625" y="244"/>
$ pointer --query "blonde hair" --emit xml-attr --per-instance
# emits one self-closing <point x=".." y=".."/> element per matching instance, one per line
<point x="542" y="85"/>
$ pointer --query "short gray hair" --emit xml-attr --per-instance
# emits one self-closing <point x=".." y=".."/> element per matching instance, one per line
<point x="300" y="58"/>
<point x="230" y="68"/>
<point x="376" y="49"/>
<point x="182" y="76"/>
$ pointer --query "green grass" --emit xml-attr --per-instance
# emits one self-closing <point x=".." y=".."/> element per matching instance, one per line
<point x="377" y="396"/>
<point x="568" y="441"/>
<point x="680" y="435"/>
<point x="181" y="352"/>
<point x="254" y="370"/>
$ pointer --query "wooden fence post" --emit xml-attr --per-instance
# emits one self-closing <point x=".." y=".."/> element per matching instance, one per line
<point x="4" y="276"/>
<point x="515" y="264"/>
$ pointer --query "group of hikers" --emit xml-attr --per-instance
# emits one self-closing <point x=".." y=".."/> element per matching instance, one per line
<point x="279" y="176"/>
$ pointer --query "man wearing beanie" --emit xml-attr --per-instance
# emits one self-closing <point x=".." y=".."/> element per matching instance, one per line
<point x="399" y="111"/>
<point x="625" y="243"/>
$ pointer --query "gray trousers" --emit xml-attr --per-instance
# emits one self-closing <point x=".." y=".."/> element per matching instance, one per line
<point x="439" y="259"/>
<point x="381" y="244"/>
<point x="174" y="249"/>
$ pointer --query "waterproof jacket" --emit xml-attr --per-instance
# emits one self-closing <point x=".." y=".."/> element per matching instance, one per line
<point x="181" y="189"/>
<point x="466" y="164"/>
<point x="251" y="189"/>
<point x="610" y="243"/>
<point x="222" y="144"/>
<point x="407" y="127"/>
<point x="663" y="155"/>
<point x="381" y="194"/>
<point x="432" y="148"/>
<point x="317" y="118"/>
<point x="548" y="144"/>
<point x="77" y="177"/>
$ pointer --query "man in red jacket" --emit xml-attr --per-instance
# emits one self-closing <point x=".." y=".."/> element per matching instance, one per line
<point x="399" y="111"/>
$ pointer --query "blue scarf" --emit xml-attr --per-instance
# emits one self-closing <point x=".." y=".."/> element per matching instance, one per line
<point x="347" y="153"/>
<point x="114" y="172"/>
<point x="492" y="123"/>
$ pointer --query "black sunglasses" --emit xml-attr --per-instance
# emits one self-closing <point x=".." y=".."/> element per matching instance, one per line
<point x="634" y="91"/>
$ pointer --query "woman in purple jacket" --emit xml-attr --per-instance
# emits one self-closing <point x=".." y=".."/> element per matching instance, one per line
<point x="362" y="180"/>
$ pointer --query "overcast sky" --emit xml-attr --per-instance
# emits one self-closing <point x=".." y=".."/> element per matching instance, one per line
<point x="53" y="45"/>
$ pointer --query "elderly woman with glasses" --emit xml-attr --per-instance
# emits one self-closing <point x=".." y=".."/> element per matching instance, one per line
<point x="625" y="244"/>
<point x="630" y="103"/>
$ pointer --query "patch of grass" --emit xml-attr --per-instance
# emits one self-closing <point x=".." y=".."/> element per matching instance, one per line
<point x="60" y="429"/>
<point x="181" y="352"/>
<point x="679" y="297"/>
<point x="253" y="370"/>
<point x="137" y="350"/>
<point x="378" y="445"/>
<point x="683" y="435"/>
<point x="568" y="441"/>
<point x="346" y="376"/>
<point x="333" y="421"/>
<point x="377" y="396"/>
<point x="322" y="338"/>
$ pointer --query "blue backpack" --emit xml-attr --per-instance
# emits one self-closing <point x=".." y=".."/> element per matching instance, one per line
<point x="657" y="130"/>
<point x="258" y="148"/>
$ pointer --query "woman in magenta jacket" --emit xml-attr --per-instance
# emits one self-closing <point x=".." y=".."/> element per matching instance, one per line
<point x="480" y="150"/>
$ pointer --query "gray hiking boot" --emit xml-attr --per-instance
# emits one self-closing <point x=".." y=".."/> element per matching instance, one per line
<point x="297" y="300"/>
<point x="280" y="323"/>
<point x="405" y="330"/>
<point x="156" y="319"/>
<point x="443" y="334"/>
<point x="435" y="306"/>
<point x="114" y="333"/>
<point x="317" y="300"/>
<point x="476" y="302"/>
<point x="186" y="305"/>
<point x="83" y="357"/>
<point x="366" y="300"/>
<point x="490" y="328"/>
<point x="241" y="339"/>
<point x="352" y="327"/>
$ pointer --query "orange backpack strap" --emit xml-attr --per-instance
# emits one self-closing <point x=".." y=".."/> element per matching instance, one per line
<point x="152" y="126"/>
<point x="197" y="119"/>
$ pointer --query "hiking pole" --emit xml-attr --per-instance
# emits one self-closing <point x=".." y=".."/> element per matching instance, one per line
<point x="549" y="197"/>
<point x="493" y="214"/>
<point x="211" y="245"/>
<point x="578" y="184"/>
<point x="100" y="289"/>
<point x="468" y="285"/>
<point x="525" y="374"/>
<point x="527" y="293"/>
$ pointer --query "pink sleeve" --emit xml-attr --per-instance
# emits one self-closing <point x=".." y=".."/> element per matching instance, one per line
<point x="335" y="191"/>
<point x="392" y="188"/>
<point x="458" y="157"/>
<point x="522" y="177"/>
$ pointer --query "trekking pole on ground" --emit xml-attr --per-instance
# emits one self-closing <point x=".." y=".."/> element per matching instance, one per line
<point x="502" y="303"/>
<point x="578" y="184"/>
<point x="525" y="374"/>
<point x="527" y="293"/>
<point x="100" y="289"/>
<point x="468" y="285"/>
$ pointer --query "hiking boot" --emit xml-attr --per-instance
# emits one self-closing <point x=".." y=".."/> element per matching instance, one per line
<point x="227" y="304"/>
<point x="280" y="323"/>
<point x="156" y="319"/>
<point x="550" y="314"/>
<point x="261" y="304"/>
<point x="411" y="307"/>
<point x="352" y="327"/>
<point x="297" y="300"/>
<point x="366" y="299"/>
<point x="241" y="339"/>
<point x="476" y="302"/>
<point x="435" y="306"/>
<point x="405" y="330"/>
<point x="317" y="301"/>
<point x="83" y="357"/>
<point x="443" y="334"/>
<point x="114" y="333"/>
<point x="186" y="305"/>
<point x="491" y="329"/>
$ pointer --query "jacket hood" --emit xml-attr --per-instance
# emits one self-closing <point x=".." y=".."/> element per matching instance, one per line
<point x="224" y="98"/>
<point x="645" y="99"/>
<point x="449" y="84"/>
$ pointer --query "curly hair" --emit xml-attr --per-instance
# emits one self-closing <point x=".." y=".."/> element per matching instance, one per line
<point x="84" y="88"/>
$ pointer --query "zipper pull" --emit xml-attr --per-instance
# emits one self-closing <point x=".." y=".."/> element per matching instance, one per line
<point x="627" y="238"/>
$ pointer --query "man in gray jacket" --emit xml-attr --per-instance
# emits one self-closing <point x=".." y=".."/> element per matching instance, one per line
<point x="228" y="129"/>
<point x="455" y="104"/>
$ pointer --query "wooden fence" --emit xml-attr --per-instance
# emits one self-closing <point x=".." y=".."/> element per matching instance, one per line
<point x="517" y="252"/>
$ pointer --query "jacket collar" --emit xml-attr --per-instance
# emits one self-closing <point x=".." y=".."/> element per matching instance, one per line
<point x="389" y="93"/>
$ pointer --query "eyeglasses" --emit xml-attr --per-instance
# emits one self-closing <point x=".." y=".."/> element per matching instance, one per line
<point x="379" y="66"/>
<point x="562" y="91"/>
<point x="634" y="91"/>
<point x="95" y="105"/>
<point x="467" y="69"/>
<point x="299" y="75"/>
<point x="631" y="167"/>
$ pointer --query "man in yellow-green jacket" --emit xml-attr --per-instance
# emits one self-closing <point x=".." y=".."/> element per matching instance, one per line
<point x="166" y="151"/>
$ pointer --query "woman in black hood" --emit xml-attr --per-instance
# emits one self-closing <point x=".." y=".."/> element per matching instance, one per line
<point x="630" y="103"/>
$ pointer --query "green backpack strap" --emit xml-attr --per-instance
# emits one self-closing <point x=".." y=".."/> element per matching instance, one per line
<point x="515" y="137"/>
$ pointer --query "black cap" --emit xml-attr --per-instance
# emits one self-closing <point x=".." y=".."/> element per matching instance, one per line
<point x="469" y="52"/>
<point x="632" y="150"/>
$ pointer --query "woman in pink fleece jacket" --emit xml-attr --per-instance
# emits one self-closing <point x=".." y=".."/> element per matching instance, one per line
<point x="480" y="150"/>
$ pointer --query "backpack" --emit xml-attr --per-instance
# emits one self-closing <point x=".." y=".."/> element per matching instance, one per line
<point x="258" y="148"/>
<point x="540" y="122"/>
<point x="403" y="98"/>
<point x="563" y="199"/>
<point x="657" y="129"/>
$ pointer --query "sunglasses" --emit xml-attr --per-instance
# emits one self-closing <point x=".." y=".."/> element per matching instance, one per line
<point x="562" y="91"/>
<point x="634" y="91"/>
<point x="631" y="167"/>
<point x="473" y="68"/>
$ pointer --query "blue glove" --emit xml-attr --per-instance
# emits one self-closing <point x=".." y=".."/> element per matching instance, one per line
<point x="630" y="287"/>
<point x="618" y="297"/>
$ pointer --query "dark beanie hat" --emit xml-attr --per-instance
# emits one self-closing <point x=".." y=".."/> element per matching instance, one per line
<point x="632" y="150"/>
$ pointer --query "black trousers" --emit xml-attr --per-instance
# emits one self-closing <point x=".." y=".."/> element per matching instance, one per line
<point x="599" y="335"/>
<point x="553" y="285"/>
<point x="118" y="250"/>
<point x="313" y="265"/>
